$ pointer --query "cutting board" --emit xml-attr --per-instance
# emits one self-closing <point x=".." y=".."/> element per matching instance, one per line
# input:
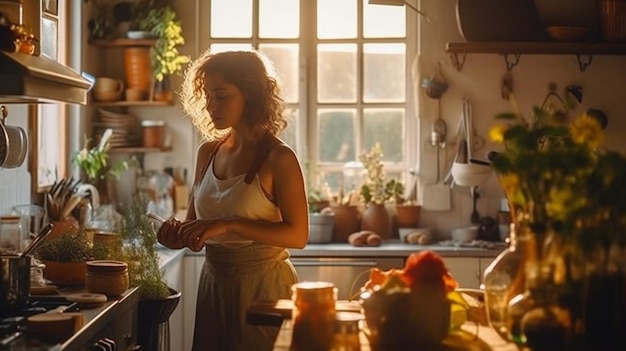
<point x="284" y="307"/>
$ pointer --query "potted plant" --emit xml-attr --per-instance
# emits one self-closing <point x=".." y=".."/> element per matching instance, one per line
<point x="159" y="18"/>
<point x="65" y="257"/>
<point x="157" y="300"/>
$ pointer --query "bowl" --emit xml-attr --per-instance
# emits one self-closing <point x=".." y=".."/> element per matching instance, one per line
<point x="465" y="234"/>
<point x="107" y="96"/>
<point x="566" y="33"/>
<point x="470" y="174"/>
<point x="137" y="34"/>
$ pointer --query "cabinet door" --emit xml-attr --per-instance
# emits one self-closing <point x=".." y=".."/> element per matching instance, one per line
<point x="191" y="276"/>
<point x="465" y="270"/>
<point x="174" y="278"/>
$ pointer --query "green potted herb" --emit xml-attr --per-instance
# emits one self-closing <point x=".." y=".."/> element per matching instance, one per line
<point x="65" y="257"/>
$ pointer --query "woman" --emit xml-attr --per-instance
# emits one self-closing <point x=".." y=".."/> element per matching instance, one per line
<point x="248" y="202"/>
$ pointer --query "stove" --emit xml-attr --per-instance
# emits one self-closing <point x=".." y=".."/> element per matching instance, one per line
<point x="13" y="328"/>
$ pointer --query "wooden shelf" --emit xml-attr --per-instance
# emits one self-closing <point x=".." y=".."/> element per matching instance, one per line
<point x="122" y="42"/>
<point x="144" y="103"/>
<point x="138" y="149"/>
<point x="512" y="51"/>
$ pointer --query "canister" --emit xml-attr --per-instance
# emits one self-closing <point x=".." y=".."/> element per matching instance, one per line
<point x="10" y="234"/>
<point x="313" y="315"/>
<point x="108" y="277"/>
<point x="153" y="133"/>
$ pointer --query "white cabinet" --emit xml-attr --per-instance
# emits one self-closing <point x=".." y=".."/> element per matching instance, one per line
<point x="191" y="275"/>
<point x="466" y="270"/>
<point x="174" y="278"/>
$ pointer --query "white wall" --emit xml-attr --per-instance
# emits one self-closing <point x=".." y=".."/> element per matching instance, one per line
<point x="480" y="81"/>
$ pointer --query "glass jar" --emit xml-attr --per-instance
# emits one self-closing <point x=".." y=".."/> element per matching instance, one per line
<point x="313" y="315"/>
<point x="347" y="332"/>
<point x="10" y="234"/>
<point x="503" y="279"/>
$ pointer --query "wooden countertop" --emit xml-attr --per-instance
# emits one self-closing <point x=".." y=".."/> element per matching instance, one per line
<point x="471" y="336"/>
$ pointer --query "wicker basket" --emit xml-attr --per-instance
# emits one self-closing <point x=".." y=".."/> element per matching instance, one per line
<point x="613" y="19"/>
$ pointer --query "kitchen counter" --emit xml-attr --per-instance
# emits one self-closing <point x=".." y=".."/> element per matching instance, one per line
<point x="98" y="320"/>
<point x="391" y="248"/>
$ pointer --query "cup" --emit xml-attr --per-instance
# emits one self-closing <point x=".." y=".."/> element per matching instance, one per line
<point x="135" y="95"/>
<point x="106" y="85"/>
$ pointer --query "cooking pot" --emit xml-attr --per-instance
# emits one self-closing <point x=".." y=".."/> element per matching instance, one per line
<point x="14" y="283"/>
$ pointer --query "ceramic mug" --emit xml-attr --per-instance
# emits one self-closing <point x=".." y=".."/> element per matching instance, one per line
<point x="106" y="84"/>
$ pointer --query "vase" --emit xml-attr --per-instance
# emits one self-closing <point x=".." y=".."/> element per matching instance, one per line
<point x="405" y="216"/>
<point x="503" y="280"/>
<point x="162" y="91"/>
<point x="346" y="222"/>
<point x="153" y="318"/>
<point x="65" y="273"/>
<point x="138" y="68"/>
<point x="604" y="299"/>
<point x="377" y="219"/>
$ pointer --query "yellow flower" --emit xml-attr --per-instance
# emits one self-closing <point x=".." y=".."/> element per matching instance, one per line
<point x="586" y="130"/>
<point x="496" y="133"/>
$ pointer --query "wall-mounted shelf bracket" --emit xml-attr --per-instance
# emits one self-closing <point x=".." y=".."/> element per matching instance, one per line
<point x="584" y="60"/>
<point x="511" y="60"/>
<point x="457" y="61"/>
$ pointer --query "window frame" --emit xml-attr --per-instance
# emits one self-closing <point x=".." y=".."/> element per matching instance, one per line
<point x="306" y="132"/>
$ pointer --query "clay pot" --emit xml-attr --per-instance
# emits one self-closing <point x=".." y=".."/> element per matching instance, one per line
<point x="376" y="218"/>
<point x="138" y="68"/>
<point x="65" y="273"/>
<point x="347" y="221"/>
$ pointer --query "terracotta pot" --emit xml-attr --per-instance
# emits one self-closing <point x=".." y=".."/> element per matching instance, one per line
<point x="377" y="219"/>
<point x="347" y="221"/>
<point x="65" y="273"/>
<point x="407" y="216"/>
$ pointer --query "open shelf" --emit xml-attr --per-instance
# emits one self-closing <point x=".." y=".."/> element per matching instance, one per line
<point x="138" y="149"/>
<point x="512" y="51"/>
<point x="122" y="42"/>
<point x="124" y="103"/>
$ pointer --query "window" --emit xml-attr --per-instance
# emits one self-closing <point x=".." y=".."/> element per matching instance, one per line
<point x="48" y="121"/>
<point x="344" y="67"/>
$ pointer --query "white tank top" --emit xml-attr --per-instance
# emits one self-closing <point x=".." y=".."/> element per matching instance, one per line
<point x="224" y="198"/>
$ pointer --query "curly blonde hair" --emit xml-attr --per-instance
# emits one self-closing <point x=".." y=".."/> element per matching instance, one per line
<point x="252" y="73"/>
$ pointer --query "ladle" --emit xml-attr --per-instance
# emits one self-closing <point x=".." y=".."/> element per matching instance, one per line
<point x="43" y="233"/>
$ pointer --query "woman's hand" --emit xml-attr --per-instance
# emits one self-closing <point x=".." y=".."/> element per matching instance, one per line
<point x="168" y="234"/>
<point x="195" y="233"/>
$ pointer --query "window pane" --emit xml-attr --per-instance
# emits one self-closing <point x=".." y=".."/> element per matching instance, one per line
<point x="336" y="73"/>
<point x="385" y="126"/>
<point x="230" y="47"/>
<point x="279" y="18"/>
<point x="336" y="138"/>
<point x="336" y="19"/>
<point x="333" y="181"/>
<point x="231" y="18"/>
<point x="383" y="21"/>
<point x="289" y="134"/>
<point x="384" y="72"/>
<point x="285" y="58"/>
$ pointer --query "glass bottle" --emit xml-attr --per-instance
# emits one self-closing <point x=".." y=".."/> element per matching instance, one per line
<point x="503" y="279"/>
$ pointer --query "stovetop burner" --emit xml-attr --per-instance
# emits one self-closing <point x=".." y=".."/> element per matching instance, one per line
<point x="12" y="327"/>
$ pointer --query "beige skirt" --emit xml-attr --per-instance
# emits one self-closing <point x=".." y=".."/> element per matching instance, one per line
<point x="231" y="279"/>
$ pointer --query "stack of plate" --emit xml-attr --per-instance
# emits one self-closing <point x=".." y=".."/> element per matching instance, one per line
<point x="126" y="128"/>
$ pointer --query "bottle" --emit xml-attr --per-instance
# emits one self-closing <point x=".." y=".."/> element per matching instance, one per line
<point x="504" y="279"/>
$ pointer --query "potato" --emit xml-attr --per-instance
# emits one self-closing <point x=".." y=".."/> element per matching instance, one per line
<point x="357" y="239"/>
<point x="423" y="240"/>
<point x="414" y="238"/>
<point x="373" y="240"/>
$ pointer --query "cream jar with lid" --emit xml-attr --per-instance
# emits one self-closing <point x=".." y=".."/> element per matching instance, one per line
<point x="107" y="277"/>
